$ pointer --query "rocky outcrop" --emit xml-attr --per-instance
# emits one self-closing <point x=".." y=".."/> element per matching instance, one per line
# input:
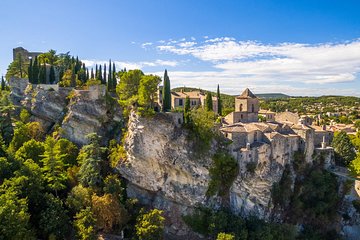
<point x="87" y="115"/>
<point x="86" y="111"/>
<point x="162" y="169"/>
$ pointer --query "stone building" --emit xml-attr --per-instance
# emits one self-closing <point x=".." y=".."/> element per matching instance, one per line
<point x="246" y="109"/>
<point x="276" y="140"/>
<point x="197" y="99"/>
<point x="25" y="54"/>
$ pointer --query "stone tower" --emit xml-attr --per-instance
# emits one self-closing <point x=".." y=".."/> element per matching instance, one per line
<point x="247" y="107"/>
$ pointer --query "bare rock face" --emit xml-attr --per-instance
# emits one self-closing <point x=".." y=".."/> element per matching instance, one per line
<point x="46" y="106"/>
<point x="87" y="115"/>
<point x="162" y="170"/>
<point x="88" y="111"/>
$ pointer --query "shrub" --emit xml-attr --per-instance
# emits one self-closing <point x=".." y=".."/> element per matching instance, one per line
<point x="250" y="167"/>
<point x="222" y="173"/>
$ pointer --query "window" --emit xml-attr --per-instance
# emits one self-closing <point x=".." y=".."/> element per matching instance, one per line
<point x="241" y="108"/>
<point x="252" y="108"/>
<point x="180" y="102"/>
<point x="241" y="116"/>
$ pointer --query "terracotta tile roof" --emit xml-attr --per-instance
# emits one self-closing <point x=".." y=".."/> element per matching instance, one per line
<point x="194" y="94"/>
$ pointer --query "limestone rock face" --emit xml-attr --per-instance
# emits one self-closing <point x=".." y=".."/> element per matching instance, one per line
<point x="86" y="115"/>
<point x="46" y="106"/>
<point x="162" y="169"/>
<point x="86" y="112"/>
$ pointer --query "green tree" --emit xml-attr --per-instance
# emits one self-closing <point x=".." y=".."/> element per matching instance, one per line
<point x="344" y="149"/>
<point x="24" y="115"/>
<point x="114" y="81"/>
<point x="225" y="236"/>
<point x="73" y="78"/>
<point x="54" y="221"/>
<point x="187" y="110"/>
<point x="355" y="165"/>
<point x="208" y="102"/>
<point x="30" y="71"/>
<point x="42" y="74"/>
<point x="166" y="93"/>
<point x="18" y="68"/>
<point x="85" y="224"/>
<point x="14" y="216"/>
<point x="147" y="90"/>
<point x="31" y="149"/>
<point x="104" y="77"/>
<point x="3" y="85"/>
<point x="223" y="173"/>
<point x="150" y="225"/>
<point x="89" y="158"/>
<point x="68" y="151"/>
<point x="53" y="166"/>
<point x="35" y="72"/>
<point x="79" y="198"/>
<point x="219" y="103"/>
<point x="128" y="87"/>
<point x="109" y="79"/>
<point x="52" y="75"/>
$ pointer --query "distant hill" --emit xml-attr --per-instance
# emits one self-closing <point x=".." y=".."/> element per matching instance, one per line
<point x="272" y="95"/>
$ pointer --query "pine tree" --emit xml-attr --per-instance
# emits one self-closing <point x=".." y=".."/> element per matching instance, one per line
<point x="35" y="72"/>
<point x="104" y="77"/>
<point x="219" y="103"/>
<point x="113" y="80"/>
<point x="208" y="102"/>
<point x="166" y="93"/>
<point x="52" y="75"/>
<point x="53" y="167"/>
<point x="187" y="110"/>
<point x="3" y="83"/>
<point x="109" y="81"/>
<point x="30" y="70"/>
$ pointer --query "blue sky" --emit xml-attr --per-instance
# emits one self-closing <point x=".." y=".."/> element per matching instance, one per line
<point x="302" y="47"/>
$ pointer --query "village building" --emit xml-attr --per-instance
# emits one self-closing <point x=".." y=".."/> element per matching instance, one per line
<point x="277" y="140"/>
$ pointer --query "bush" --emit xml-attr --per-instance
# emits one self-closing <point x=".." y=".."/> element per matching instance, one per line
<point x="250" y="167"/>
<point x="222" y="173"/>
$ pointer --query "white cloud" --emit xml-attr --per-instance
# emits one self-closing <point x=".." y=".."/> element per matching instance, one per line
<point x="144" y="45"/>
<point x="284" y="62"/>
<point x="234" y="84"/>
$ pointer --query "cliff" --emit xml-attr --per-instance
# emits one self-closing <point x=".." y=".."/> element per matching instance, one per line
<point x="162" y="170"/>
<point x="76" y="112"/>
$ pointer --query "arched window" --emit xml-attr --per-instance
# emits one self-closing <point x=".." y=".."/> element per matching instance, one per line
<point x="241" y="108"/>
<point x="252" y="108"/>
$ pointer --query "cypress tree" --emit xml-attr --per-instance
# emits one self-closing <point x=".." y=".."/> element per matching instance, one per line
<point x="219" y="103"/>
<point x="100" y="74"/>
<point x="166" y="93"/>
<point x="109" y="80"/>
<point x="96" y="71"/>
<point x="187" y="110"/>
<point x="73" y="78"/>
<point x="104" y="77"/>
<point x="113" y="80"/>
<point x="2" y="84"/>
<point x="35" y="72"/>
<point x="42" y="74"/>
<point x="87" y="74"/>
<point x="52" y="75"/>
<point x="92" y="73"/>
<point x="30" y="70"/>
<point x="208" y="102"/>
